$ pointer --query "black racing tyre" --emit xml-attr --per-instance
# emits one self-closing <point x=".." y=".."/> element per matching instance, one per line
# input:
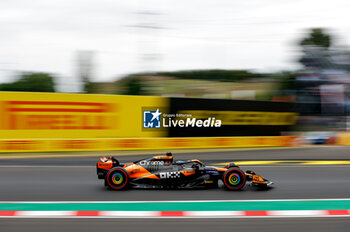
<point x="117" y="178"/>
<point x="234" y="179"/>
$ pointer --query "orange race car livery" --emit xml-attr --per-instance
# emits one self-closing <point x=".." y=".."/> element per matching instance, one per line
<point x="164" y="172"/>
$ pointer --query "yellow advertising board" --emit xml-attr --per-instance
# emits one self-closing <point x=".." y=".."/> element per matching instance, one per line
<point x="35" y="122"/>
<point x="57" y="115"/>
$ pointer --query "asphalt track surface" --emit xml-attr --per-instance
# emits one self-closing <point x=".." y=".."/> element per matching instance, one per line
<point x="176" y="225"/>
<point x="74" y="179"/>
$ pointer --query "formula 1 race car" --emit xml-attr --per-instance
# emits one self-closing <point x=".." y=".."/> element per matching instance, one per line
<point x="164" y="172"/>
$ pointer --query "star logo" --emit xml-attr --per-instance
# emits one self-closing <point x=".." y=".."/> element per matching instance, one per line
<point x="151" y="119"/>
<point x="156" y="115"/>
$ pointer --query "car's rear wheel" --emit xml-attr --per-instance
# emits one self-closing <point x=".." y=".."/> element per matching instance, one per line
<point x="234" y="179"/>
<point x="117" y="178"/>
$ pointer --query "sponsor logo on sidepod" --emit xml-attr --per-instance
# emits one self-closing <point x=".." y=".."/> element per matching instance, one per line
<point x="168" y="175"/>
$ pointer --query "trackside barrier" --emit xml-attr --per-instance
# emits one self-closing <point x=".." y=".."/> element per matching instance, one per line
<point x="66" y="116"/>
<point x="100" y="144"/>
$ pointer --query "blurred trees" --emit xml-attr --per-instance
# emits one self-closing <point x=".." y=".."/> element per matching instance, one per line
<point x="317" y="37"/>
<point x="31" y="82"/>
<point x="133" y="86"/>
<point x="315" y="47"/>
<point x="214" y="75"/>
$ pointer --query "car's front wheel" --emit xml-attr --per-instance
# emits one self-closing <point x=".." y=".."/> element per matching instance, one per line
<point x="234" y="179"/>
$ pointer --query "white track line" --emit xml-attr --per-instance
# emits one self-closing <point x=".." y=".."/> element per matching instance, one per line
<point x="194" y="201"/>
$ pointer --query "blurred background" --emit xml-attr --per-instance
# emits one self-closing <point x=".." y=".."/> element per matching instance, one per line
<point x="273" y="50"/>
<point x="76" y="78"/>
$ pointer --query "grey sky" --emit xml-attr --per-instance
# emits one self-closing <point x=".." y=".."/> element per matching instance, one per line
<point x="43" y="35"/>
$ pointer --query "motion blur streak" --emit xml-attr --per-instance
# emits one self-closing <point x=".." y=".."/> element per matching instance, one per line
<point x="175" y="224"/>
<point x="47" y="182"/>
<point x="75" y="178"/>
